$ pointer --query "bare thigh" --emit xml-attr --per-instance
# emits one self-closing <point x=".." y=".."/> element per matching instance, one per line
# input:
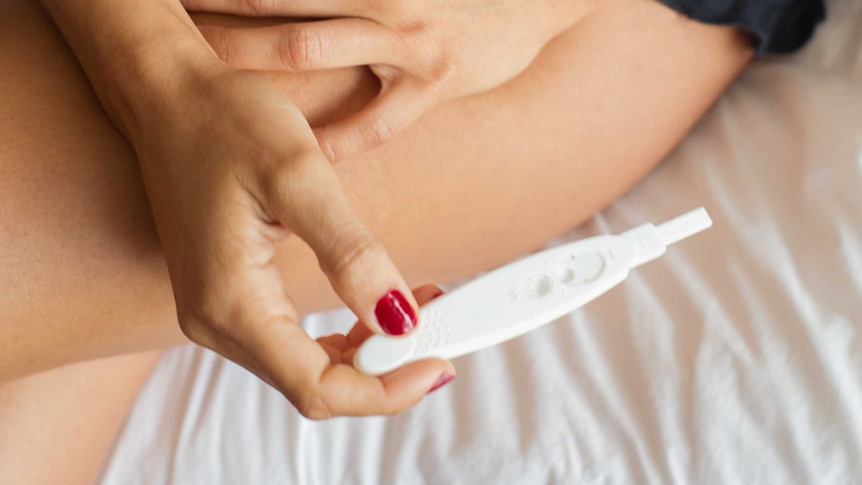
<point x="57" y="426"/>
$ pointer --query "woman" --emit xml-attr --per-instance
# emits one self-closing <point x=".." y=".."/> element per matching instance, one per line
<point x="104" y="254"/>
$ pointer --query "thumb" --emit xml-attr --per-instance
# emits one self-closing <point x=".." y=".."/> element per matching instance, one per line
<point x="307" y="199"/>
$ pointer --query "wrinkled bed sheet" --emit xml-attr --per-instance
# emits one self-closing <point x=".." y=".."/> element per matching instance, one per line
<point x="736" y="358"/>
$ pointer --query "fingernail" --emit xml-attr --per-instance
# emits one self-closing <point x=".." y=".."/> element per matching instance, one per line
<point x="394" y="314"/>
<point x="445" y="378"/>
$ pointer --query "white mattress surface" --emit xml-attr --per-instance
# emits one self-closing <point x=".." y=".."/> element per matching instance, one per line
<point x="736" y="358"/>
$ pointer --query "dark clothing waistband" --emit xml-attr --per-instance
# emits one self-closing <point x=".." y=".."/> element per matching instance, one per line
<point x="778" y="26"/>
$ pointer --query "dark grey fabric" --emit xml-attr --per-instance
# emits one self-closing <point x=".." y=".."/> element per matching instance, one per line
<point x="777" y="25"/>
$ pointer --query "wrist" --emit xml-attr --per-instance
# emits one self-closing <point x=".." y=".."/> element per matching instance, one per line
<point x="138" y="56"/>
<point x="154" y="84"/>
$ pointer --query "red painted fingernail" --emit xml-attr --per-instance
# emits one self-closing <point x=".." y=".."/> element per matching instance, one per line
<point x="445" y="378"/>
<point x="394" y="314"/>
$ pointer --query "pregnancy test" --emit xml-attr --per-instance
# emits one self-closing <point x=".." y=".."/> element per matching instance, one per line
<point x="523" y="295"/>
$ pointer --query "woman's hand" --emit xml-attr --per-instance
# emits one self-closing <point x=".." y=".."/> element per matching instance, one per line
<point x="231" y="168"/>
<point x="423" y="52"/>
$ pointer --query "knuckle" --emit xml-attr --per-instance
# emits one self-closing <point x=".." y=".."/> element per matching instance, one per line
<point x="442" y="67"/>
<point x="377" y="131"/>
<point x="351" y="254"/>
<point x="224" y="45"/>
<point x="300" y="48"/>
<point x="419" y="33"/>
<point x="444" y="71"/>
<point x="332" y="152"/>
<point x="287" y="176"/>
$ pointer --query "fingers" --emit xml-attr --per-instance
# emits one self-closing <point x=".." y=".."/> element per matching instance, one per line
<point x="306" y="198"/>
<point x="289" y="360"/>
<point x="389" y="114"/>
<point x="321" y="383"/>
<point x="305" y="46"/>
<point x="399" y="389"/>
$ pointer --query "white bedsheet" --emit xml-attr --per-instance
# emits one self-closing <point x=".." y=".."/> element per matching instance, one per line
<point x="736" y="358"/>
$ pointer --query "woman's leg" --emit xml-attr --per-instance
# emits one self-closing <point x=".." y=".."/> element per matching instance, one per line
<point x="57" y="426"/>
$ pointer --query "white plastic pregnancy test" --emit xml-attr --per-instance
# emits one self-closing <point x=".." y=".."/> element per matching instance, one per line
<point x="525" y="294"/>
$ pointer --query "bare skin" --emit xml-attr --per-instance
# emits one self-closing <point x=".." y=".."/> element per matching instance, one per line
<point x="466" y="188"/>
<point x="58" y="426"/>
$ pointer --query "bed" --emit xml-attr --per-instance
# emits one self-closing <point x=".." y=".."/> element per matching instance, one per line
<point x="736" y="358"/>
